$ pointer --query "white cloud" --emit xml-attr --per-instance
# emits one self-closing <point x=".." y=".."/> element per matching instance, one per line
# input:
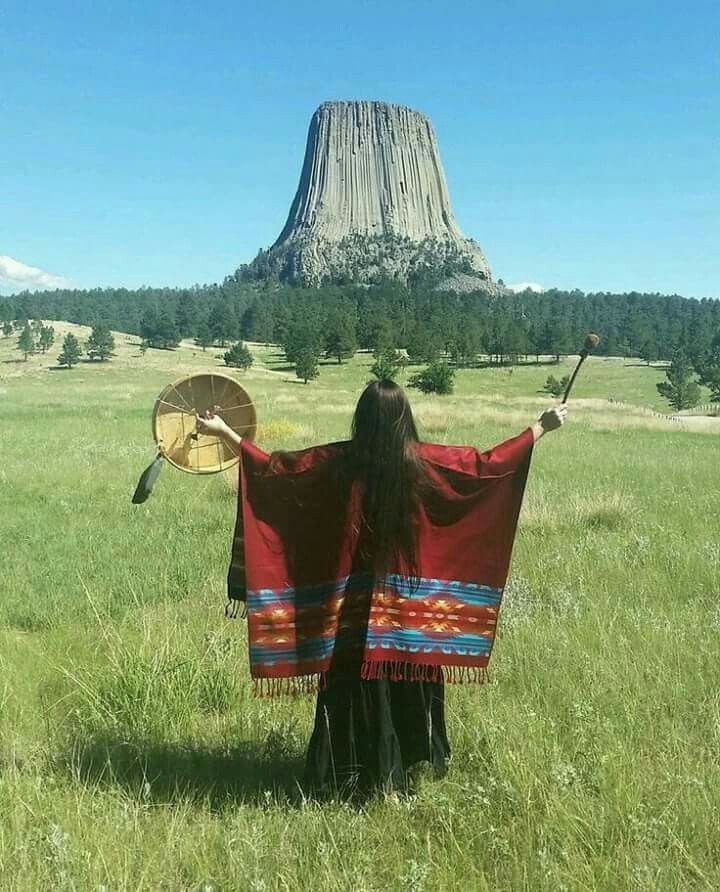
<point x="17" y="276"/>
<point x="523" y="286"/>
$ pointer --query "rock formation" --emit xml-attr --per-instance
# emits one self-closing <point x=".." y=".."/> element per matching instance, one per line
<point x="372" y="202"/>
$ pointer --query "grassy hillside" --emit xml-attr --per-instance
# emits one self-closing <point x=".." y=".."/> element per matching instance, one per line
<point x="132" y="755"/>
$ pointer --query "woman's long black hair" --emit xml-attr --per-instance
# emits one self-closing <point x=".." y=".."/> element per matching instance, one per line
<point x="384" y="459"/>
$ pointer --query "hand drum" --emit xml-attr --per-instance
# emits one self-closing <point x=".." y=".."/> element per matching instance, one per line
<point x="175" y="427"/>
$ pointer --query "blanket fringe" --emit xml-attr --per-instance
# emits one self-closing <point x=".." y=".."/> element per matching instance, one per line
<point x="397" y="670"/>
<point x="277" y="687"/>
<point x="393" y="670"/>
<point x="235" y="608"/>
<point x="466" y="674"/>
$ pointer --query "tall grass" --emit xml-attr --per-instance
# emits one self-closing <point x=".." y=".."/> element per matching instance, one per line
<point x="133" y="756"/>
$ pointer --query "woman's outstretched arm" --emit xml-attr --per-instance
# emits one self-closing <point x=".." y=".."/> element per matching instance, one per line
<point x="550" y="420"/>
<point x="212" y="424"/>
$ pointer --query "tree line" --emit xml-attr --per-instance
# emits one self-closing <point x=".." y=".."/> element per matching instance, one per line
<point x="459" y="330"/>
<point x="420" y="320"/>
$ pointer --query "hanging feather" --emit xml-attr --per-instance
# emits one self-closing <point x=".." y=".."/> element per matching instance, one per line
<point x="147" y="480"/>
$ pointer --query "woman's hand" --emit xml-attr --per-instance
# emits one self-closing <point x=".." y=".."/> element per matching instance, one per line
<point x="550" y="420"/>
<point x="554" y="418"/>
<point x="210" y="423"/>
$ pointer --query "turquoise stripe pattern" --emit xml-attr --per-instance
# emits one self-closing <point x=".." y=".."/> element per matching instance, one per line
<point x="426" y="622"/>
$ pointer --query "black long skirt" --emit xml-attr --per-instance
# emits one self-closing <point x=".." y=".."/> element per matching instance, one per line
<point x="367" y="735"/>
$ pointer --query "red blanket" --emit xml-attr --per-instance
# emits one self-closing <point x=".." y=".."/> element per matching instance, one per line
<point x="313" y="609"/>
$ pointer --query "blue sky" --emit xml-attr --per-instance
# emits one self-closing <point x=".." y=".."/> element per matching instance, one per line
<point x="160" y="143"/>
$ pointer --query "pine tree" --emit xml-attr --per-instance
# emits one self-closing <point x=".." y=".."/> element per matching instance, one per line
<point x="149" y="326"/>
<point x="303" y="335"/>
<point x="239" y="357"/>
<point x="534" y="341"/>
<point x="649" y="351"/>
<point x="438" y="377"/>
<point x="204" y="338"/>
<point x="340" y="338"/>
<point x="517" y="343"/>
<point x="47" y="338"/>
<point x="708" y="369"/>
<point x="377" y="333"/>
<point x="26" y="342"/>
<point x="101" y="343"/>
<point x="467" y="343"/>
<point x="698" y="338"/>
<point x="282" y="321"/>
<point x="166" y="334"/>
<point x="554" y="386"/>
<point x="7" y="329"/>
<point x="387" y="365"/>
<point x="223" y="322"/>
<point x="423" y="345"/>
<point x="71" y="351"/>
<point x="258" y="323"/>
<point x="679" y="389"/>
<point x="711" y="379"/>
<point x="495" y="340"/>
<point x="186" y="317"/>
<point x="306" y="364"/>
<point x="556" y="338"/>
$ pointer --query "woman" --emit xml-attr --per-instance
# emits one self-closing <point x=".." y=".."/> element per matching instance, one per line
<point x="375" y="570"/>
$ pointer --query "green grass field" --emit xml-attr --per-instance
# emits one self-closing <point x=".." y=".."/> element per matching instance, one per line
<point x="132" y="755"/>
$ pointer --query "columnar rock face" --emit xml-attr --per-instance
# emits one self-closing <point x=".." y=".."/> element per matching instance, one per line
<point x="372" y="202"/>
